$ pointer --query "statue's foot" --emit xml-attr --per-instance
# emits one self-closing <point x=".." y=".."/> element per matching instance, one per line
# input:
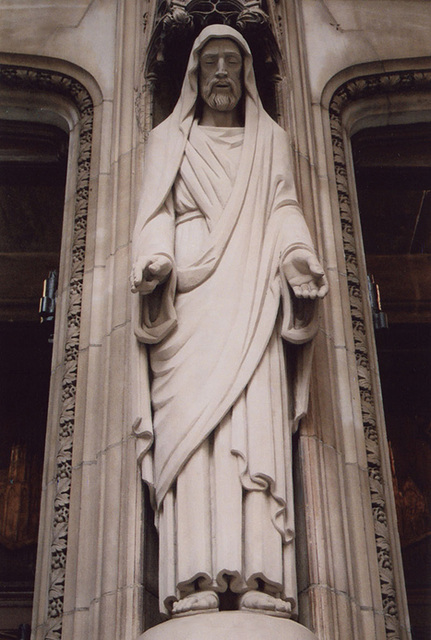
<point x="260" y="602"/>
<point x="198" y="602"/>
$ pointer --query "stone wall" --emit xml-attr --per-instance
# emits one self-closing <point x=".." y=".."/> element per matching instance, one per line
<point x="82" y="61"/>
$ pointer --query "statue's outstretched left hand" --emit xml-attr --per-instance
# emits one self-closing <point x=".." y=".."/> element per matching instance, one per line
<point x="304" y="274"/>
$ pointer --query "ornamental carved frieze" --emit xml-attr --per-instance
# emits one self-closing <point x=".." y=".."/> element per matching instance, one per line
<point x="366" y="87"/>
<point x="31" y="80"/>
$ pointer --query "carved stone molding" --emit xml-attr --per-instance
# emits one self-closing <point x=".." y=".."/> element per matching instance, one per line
<point x="33" y="80"/>
<point x="361" y="88"/>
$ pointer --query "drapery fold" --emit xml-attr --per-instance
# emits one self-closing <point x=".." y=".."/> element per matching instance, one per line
<point x="227" y="301"/>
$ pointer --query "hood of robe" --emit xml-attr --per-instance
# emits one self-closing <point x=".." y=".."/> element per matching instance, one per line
<point x="189" y="92"/>
<point x="162" y="160"/>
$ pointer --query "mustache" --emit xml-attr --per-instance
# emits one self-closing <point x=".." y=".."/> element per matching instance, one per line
<point x="225" y="81"/>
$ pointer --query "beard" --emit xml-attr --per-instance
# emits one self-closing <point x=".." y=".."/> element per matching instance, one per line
<point x="221" y="100"/>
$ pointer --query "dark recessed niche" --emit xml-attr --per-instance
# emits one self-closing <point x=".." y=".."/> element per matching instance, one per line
<point x="33" y="164"/>
<point x="393" y="182"/>
<point x="171" y="44"/>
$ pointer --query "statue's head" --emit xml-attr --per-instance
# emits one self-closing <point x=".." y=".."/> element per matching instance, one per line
<point x="219" y="86"/>
<point x="220" y="74"/>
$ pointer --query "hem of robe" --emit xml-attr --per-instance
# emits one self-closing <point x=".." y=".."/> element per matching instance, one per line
<point x="227" y="494"/>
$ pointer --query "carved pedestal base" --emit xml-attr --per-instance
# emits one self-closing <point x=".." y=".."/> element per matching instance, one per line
<point x="228" y="625"/>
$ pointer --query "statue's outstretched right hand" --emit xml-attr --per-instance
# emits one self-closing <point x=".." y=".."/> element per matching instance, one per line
<point x="304" y="274"/>
<point x="148" y="272"/>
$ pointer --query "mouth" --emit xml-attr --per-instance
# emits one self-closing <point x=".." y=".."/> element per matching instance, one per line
<point x="221" y="85"/>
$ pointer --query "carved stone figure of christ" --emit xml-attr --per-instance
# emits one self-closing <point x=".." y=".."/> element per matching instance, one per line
<point x="224" y="270"/>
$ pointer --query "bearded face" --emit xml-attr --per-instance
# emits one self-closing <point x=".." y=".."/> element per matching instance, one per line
<point x="220" y="74"/>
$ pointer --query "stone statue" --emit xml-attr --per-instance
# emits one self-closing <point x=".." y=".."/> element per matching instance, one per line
<point x="224" y="268"/>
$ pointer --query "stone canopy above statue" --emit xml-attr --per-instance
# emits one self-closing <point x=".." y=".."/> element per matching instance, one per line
<point x="178" y="24"/>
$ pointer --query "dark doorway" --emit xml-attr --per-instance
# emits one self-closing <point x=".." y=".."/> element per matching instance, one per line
<point x="33" y="162"/>
<point x="393" y="179"/>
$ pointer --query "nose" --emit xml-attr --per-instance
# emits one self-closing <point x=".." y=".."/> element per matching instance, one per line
<point x="221" y="71"/>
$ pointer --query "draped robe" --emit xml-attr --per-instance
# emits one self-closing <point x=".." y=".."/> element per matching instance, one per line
<point x="216" y="449"/>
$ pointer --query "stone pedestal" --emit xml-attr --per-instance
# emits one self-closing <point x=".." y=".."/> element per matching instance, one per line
<point x="228" y="625"/>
